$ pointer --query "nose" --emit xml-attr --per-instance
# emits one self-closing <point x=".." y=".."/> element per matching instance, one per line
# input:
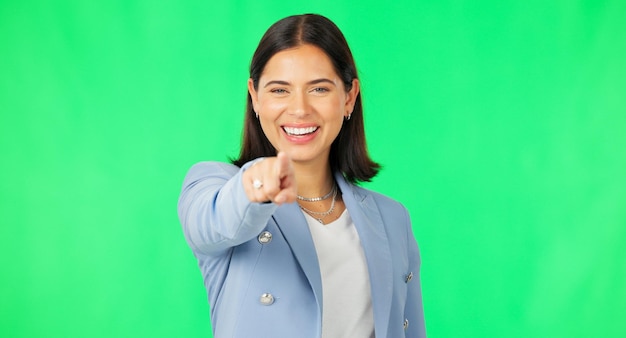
<point x="298" y="105"/>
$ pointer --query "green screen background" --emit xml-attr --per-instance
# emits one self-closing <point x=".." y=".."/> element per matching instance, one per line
<point x="500" y="125"/>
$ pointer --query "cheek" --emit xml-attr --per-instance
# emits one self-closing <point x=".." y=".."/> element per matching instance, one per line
<point x="333" y="109"/>
<point x="271" y="107"/>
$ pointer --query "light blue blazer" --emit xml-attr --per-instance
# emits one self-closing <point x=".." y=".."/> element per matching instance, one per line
<point x="259" y="263"/>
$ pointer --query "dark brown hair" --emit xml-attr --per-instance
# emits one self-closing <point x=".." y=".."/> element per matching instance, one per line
<point x="348" y="153"/>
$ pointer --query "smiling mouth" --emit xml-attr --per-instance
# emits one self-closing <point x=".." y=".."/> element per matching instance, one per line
<point x="291" y="131"/>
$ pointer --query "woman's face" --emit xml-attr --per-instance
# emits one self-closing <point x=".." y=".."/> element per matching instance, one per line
<point x="301" y="103"/>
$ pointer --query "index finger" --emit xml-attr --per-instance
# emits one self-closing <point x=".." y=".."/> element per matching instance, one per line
<point x="282" y="166"/>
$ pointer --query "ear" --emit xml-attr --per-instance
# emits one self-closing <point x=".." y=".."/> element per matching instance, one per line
<point x="351" y="97"/>
<point x="253" y="96"/>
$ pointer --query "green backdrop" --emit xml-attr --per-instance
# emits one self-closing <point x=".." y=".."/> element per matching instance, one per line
<point x="500" y="125"/>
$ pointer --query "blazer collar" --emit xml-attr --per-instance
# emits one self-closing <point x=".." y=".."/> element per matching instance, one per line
<point x="369" y="225"/>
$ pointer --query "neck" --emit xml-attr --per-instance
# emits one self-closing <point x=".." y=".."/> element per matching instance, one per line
<point x="313" y="180"/>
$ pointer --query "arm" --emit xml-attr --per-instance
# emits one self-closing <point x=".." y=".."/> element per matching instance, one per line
<point x="214" y="210"/>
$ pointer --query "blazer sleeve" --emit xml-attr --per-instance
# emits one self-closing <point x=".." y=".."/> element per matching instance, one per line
<point x="414" y="310"/>
<point x="214" y="209"/>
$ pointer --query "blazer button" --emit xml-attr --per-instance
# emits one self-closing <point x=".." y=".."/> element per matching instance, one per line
<point x="267" y="299"/>
<point x="265" y="237"/>
<point x="408" y="277"/>
<point x="406" y="324"/>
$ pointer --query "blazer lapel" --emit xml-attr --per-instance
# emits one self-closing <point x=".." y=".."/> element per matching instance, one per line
<point x="369" y="225"/>
<point x="295" y="229"/>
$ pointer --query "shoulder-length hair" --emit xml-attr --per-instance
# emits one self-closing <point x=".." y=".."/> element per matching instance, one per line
<point x="348" y="152"/>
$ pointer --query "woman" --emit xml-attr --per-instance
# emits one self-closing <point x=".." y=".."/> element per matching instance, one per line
<point x="288" y="245"/>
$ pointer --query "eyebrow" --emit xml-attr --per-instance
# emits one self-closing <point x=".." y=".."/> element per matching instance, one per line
<point x="312" y="82"/>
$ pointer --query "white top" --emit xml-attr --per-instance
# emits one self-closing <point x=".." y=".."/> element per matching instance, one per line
<point x="346" y="288"/>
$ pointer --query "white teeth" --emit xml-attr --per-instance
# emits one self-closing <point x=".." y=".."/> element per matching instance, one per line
<point x="299" y="131"/>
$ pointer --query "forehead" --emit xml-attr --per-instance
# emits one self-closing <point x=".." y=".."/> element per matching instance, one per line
<point x="306" y="61"/>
